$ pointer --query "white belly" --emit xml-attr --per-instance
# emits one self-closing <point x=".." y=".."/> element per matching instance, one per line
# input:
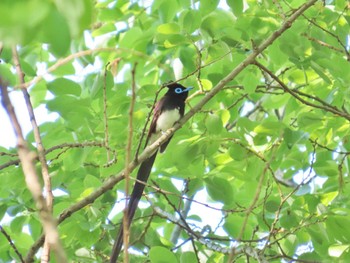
<point x="167" y="120"/>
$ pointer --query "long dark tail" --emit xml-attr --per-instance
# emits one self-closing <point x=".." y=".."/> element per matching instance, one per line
<point x="142" y="175"/>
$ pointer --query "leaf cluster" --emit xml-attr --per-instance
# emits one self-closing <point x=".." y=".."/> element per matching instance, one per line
<point x="263" y="165"/>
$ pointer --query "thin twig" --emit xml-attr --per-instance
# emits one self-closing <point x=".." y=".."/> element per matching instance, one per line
<point x="295" y="94"/>
<point x="255" y="199"/>
<point x="13" y="245"/>
<point x="329" y="149"/>
<point x="67" y="146"/>
<point x="322" y="43"/>
<point x="345" y="49"/>
<point x="184" y="213"/>
<point x="199" y="63"/>
<point x="105" y="115"/>
<point x="284" y="199"/>
<point x="280" y="9"/>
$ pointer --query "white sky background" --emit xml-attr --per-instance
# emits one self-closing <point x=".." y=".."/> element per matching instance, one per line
<point x="7" y="137"/>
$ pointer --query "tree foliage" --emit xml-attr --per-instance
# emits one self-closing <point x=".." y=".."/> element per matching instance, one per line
<point x="260" y="172"/>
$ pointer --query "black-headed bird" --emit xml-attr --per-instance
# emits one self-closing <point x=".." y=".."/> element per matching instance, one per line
<point x="167" y="111"/>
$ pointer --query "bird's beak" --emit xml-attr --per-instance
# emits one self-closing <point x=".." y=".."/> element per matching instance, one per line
<point x="188" y="89"/>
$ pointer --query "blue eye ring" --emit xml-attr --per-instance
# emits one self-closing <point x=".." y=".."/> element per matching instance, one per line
<point x="178" y="90"/>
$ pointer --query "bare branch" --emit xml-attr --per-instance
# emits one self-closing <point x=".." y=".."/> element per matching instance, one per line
<point x="27" y="159"/>
<point x="45" y="256"/>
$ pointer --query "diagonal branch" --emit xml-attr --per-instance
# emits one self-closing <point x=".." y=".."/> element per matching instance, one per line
<point x="12" y="244"/>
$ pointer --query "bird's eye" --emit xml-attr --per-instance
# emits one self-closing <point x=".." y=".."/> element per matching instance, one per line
<point x="178" y="90"/>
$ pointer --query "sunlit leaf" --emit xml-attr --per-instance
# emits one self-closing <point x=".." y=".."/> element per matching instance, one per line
<point x="161" y="255"/>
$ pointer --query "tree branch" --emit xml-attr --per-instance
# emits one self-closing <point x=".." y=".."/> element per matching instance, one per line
<point x="32" y="179"/>
<point x="45" y="256"/>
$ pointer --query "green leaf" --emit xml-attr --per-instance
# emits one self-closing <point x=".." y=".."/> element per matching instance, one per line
<point x="292" y="137"/>
<point x="217" y="22"/>
<point x="187" y="57"/>
<point x="38" y="93"/>
<point x="213" y="124"/>
<point x="78" y="14"/>
<point x="236" y="5"/>
<point x="289" y="221"/>
<point x="269" y="127"/>
<point x="28" y="70"/>
<point x="310" y="120"/>
<point x="56" y="33"/>
<point x="62" y="86"/>
<point x="62" y="105"/>
<point x="207" y="6"/>
<point x="225" y="116"/>
<point x="272" y="206"/>
<point x="237" y="152"/>
<point x="130" y="37"/>
<point x="91" y="181"/>
<point x="276" y="54"/>
<point x="35" y="228"/>
<point x="104" y="29"/>
<point x="190" y="20"/>
<point x="188" y="257"/>
<point x="20" y="21"/>
<point x="3" y="209"/>
<point x="109" y="15"/>
<point x="250" y="82"/>
<point x="320" y="71"/>
<point x="167" y="11"/>
<point x="161" y="255"/>
<point x="66" y="69"/>
<point x="219" y="189"/>
<point x="169" y="28"/>
<point x="17" y="224"/>
<point x="170" y="41"/>
<point x="232" y="225"/>
<point x="207" y="85"/>
<point x="6" y="74"/>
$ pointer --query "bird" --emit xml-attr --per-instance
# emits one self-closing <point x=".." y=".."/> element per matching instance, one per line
<point x="167" y="111"/>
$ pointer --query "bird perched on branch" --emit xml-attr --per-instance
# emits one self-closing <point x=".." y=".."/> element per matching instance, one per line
<point x="167" y="111"/>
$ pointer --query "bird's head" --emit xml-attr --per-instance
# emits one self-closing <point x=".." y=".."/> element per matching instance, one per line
<point x="176" y="89"/>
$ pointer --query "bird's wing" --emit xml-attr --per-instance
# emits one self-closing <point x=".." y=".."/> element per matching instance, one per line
<point x="156" y="113"/>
